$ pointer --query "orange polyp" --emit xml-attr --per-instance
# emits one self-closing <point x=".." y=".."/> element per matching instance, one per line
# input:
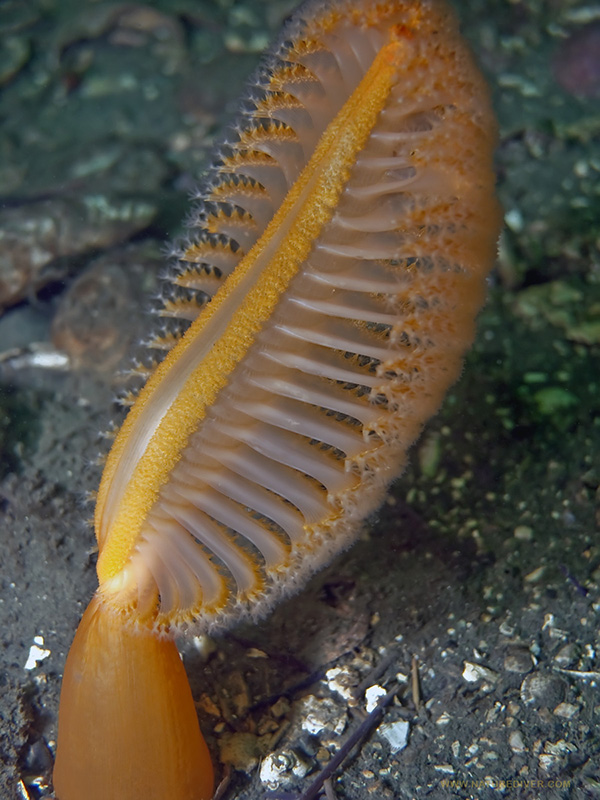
<point x="128" y="727"/>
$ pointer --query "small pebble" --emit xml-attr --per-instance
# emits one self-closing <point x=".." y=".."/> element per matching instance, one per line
<point x="477" y="672"/>
<point x="515" y="740"/>
<point x="542" y="691"/>
<point x="518" y="660"/>
<point x="549" y="763"/>
<point x="241" y="750"/>
<point x="566" y="710"/>
<point x="566" y="656"/>
<point x="523" y="532"/>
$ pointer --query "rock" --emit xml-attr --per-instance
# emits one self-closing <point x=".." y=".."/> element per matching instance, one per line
<point x="567" y="655"/>
<point x="477" y="672"/>
<point x="542" y="691"/>
<point x="241" y="750"/>
<point x="100" y="315"/>
<point x="518" y="660"/>
<point x="566" y="710"/>
<point x="516" y="742"/>
<point x="36" y="239"/>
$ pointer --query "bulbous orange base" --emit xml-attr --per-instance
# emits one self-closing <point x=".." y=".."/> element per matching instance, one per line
<point x="127" y="727"/>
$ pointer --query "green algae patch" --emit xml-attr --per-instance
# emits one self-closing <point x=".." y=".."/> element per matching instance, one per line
<point x="553" y="399"/>
<point x="573" y="305"/>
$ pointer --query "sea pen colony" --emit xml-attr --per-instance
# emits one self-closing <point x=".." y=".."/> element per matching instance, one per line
<point x="315" y="318"/>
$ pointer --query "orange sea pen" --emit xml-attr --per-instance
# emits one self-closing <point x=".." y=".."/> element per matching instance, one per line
<point x="343" y="238"/>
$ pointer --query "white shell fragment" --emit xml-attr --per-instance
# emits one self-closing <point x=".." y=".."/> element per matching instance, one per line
<point x="477" y="672"/>
<point x="279" y="769"/>
<point x="372" y="696"/>
<point x="37" y="653"/>
<point x="396" y="734"/>
<point x="342" y="681"/>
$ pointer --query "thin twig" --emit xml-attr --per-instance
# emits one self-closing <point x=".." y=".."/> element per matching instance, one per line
<point x="581" y="589"/>
<point x="364" y="729"/>
<point x="578" y="673"/>
<point x="416" y="688"/>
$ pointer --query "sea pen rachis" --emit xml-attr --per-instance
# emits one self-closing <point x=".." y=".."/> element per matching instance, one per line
<point x="343" y="238"/>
